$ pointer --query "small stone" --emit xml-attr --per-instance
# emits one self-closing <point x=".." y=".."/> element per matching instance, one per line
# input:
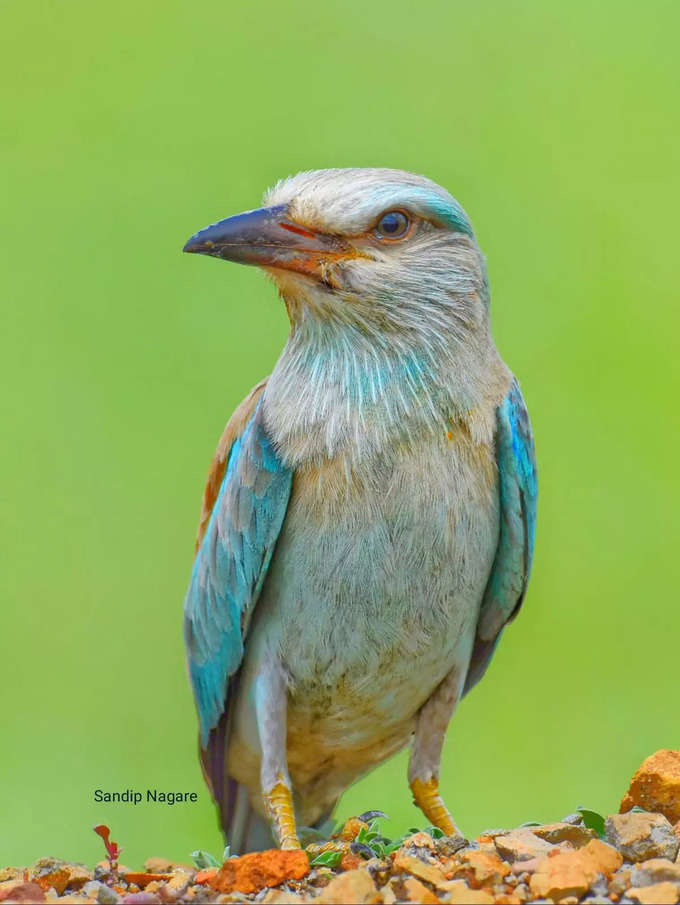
<point x="522" y="845"/>
<point x="409" y="864"/>
<point x="141" y="898"/>
<point x="620" y="882"/>
<point x="415" y="891"/>
<point x="47" y="872"/>
<point x="107" y="896"/>
<point x="255" y="871"/>
<point x="176" y="886"/>
<point x="459" y="893"/>
<point x="639" y="836"/>
<point x="78" y="876"/>
<point x="352" y="828"/>
<point x="281" y="897"/>
<point x="388" y="894"/>
<point x="577" y="834"/>
<point x="419" y="840"/>
<point x="205" y="876"/>
<point x="12" y="873"/>
<point x="522" y="869"/>
<point x="490" y="835"/>
<point x="26" y="893"/>
<point x="350" y="861"/>
<point x="658" y="894"/>
<point x="449" y="845"/>
<point x="572" y="872"/>
<point x="656" y="785"/>
<point x="573" y="819"/>
<point x="656" y="870"/>
<point x="158" y="866"/>
<point x="143" y="879"/>
<point x="481" y="868"/>
<point x="355" y="887"/>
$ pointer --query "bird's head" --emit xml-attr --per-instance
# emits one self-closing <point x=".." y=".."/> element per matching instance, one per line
<point x="382" y="253"/>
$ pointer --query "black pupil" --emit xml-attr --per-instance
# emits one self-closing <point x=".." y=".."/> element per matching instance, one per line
<point x="392" y="223"/>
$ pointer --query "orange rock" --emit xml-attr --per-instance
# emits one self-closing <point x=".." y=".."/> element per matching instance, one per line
<point x="508" y="899"/>
<point x="409" y="864"/>
<point x="656" y="785"/>
<point x="205" y="876"/>
<point x="57" y="878"/>
<point x="143" y="879"/>
<point x="665" y="893"/>
<point x="419" y="840"/>
<point x="572" y="872"/>
<point x="78" y="876"/>
<point x="481" y="869"/>
<point x="354" y="887"/>
<point x="350" y="861"/>
<point x="351" y="829"/>
<point x="415" y="891"/>
<point x="255" y="871"/>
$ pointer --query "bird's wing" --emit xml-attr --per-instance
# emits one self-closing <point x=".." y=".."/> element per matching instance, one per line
<point x="509" y="577"/>
<point x="244" y="506"/>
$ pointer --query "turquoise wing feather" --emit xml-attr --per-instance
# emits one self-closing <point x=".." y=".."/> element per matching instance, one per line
<point x="518" y="487"/>
<point x="231" y="565"/>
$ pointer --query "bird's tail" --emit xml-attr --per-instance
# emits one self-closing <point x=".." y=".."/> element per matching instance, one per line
<point x="244" y="829"/>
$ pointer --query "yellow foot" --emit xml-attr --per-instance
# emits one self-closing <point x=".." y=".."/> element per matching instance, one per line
<point x="279" y="804"/>
<point x="426" y="796"/>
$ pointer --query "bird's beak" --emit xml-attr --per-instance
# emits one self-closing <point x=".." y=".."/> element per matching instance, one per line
<point x="268" y="238"/>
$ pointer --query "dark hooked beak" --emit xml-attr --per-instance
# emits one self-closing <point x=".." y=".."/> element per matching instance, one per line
<point x="268" y="238"/>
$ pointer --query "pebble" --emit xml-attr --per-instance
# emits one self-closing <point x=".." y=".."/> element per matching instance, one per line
<point x="522" y="845"/>
<point x="640" y="836"/>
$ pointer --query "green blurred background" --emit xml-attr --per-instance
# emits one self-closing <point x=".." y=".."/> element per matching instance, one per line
<point x="124" y="128"/>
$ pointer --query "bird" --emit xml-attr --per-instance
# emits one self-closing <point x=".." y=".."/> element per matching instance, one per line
<point x="368" y="521"/>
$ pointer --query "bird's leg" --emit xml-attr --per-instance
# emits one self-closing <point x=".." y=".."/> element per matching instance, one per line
<point x="423" y="771"/>
<point x="271" y="700"/>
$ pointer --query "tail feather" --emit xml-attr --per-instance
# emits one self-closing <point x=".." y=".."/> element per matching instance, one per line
<point x="244" y="829"/>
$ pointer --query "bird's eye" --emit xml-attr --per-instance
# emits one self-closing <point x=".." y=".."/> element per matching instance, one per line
<point x="392" y="225"/>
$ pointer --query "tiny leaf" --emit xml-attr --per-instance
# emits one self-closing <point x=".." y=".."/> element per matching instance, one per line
<point x="327" y="859"/>
<point x="592" y="820"/>
<point x="203" y="860"/>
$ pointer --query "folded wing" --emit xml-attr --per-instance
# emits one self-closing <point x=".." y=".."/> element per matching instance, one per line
<point x="512" y="565"/>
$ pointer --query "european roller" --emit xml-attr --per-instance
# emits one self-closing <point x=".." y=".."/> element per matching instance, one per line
<point x="368" y="521"/>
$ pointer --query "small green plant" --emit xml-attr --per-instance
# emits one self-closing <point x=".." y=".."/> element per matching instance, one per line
<point x="370" y="843"/>
<point x="204" y="860"/>
<point x="327" y="859"/>
<point x="592" y="820"/>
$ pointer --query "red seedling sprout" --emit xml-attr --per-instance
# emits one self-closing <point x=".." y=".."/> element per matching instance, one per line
<point x="113" y="850"/>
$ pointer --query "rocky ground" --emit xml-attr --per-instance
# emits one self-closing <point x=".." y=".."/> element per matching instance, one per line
<point x="629" y="857"/>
